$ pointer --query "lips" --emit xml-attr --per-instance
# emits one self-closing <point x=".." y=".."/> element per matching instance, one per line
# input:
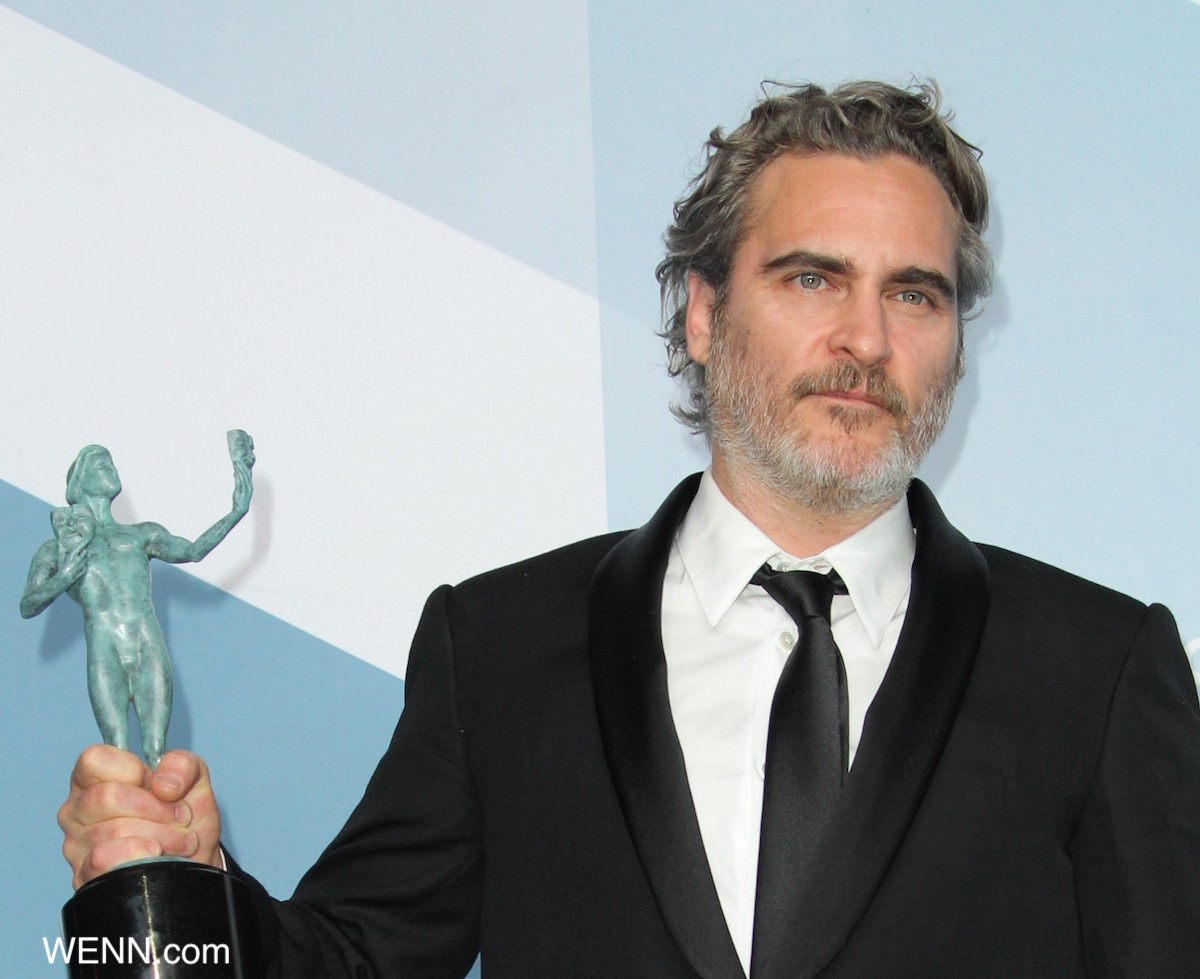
<point x="859" y="397"/>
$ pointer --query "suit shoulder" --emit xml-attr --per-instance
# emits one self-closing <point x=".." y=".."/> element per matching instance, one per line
<point x="561" y="569"/>
<point x="1036" y="585"/>
<point x="527" y="619"/>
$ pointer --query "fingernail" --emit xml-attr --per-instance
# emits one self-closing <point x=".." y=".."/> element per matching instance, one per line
<point x="182" y="813"/>
<point x="191" y="843"/>
<point x="172" y="782"/>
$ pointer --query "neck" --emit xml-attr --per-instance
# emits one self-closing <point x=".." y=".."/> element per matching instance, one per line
<point x="799" y="530"/>
<point x="100" y="507"/>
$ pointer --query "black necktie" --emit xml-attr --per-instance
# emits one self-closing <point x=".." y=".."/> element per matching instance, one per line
<point x="807" y="741"/>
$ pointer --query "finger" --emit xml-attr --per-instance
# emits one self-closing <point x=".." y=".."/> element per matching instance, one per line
<point x="172" y="840"/>
<point x="99" y="861"/>
<point x="103" y="763"/>
<point x="105" y="801"/>
<point x="119" y="840"/>
<point x="110" y="854"/>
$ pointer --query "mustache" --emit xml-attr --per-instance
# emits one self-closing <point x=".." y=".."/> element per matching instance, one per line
<point x="846" y="376"/>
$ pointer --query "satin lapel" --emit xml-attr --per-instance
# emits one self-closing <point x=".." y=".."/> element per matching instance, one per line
<point x="629" y="675"/>
<point x="801" y="923"/>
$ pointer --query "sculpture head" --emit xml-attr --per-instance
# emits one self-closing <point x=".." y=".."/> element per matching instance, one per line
<point x="92" y="475"/>
<point x="74" y="526"/>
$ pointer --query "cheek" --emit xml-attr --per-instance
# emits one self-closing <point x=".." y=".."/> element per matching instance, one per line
<point x="926" y="366"/>
<point x="938" y="349"/>
<point x="952" y="354"/>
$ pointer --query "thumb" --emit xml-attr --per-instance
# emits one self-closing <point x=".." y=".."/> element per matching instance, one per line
<point x="178" y="772"/>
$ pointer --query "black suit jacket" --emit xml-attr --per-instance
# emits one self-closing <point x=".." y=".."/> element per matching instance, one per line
<point x="1025" y="800"/>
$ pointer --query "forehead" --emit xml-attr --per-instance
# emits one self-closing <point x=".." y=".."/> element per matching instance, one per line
<point x="890" y="206"/>
<point x="94" y="459"/>
<point x="70" y="515"/>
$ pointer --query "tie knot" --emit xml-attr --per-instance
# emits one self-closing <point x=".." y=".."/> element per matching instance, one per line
<point x="803" y="594"/>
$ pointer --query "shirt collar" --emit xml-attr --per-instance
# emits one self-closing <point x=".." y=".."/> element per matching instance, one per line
<point x="721" y="549"/>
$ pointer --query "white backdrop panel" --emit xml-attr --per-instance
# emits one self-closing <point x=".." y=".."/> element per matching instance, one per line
<point x="169" y="274"/>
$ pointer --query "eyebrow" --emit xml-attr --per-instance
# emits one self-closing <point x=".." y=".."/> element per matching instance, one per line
<point x="911" y="275"/>
<point x="914" y="275"/>
<point x="801" y="259"/>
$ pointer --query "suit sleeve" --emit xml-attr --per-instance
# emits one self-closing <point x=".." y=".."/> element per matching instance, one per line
<point x="1136" y="848"/>
<point x="398" y="891"/>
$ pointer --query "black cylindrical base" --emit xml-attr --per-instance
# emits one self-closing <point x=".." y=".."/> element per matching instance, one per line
<point x="165" y="919"/>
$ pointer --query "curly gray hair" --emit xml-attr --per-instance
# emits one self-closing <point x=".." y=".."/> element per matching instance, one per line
<point x="863" y="119"/>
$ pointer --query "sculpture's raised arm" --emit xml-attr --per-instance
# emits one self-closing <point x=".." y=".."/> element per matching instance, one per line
<point x="179" y="550"/>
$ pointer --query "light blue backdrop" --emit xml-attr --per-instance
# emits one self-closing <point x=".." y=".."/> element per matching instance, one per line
<point x="559" y="133"/>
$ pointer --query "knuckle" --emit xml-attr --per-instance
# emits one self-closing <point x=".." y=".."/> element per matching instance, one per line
<point x="105" y="856"/>
<point x="108" y="801"/>
<point x="103" y="797"/>
<point x="92" y="757"/>
<point x="105" y="832"/>
<point x="183" y="762"/>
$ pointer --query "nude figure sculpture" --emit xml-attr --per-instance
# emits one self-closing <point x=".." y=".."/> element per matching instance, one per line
<point x="105" y="567"/>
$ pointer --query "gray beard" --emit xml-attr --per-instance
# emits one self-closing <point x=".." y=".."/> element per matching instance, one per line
<point x="754" y="434"/>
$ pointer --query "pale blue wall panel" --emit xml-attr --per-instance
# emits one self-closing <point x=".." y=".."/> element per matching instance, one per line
<point x="290" y="725"/>
<point x="477" y="113"/>
<point x="1074" y="434"/>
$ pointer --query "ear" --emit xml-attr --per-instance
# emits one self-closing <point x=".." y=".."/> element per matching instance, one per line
<point x="701" y="297"/>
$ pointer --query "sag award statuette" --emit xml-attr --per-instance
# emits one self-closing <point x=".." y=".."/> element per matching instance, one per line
<point x="158" y="913"/>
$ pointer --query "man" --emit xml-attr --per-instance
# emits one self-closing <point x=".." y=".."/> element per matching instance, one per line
<point x="105" y="567"/>
<point x="628" y="758"/>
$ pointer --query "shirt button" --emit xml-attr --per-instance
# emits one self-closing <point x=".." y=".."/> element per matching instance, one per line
<point x="787" y="639"/>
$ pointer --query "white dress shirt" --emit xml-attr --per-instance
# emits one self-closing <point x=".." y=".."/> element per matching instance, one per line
<point x="726" y="643"/>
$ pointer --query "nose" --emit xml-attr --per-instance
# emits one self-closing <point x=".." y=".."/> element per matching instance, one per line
<point x="861" y="330"/>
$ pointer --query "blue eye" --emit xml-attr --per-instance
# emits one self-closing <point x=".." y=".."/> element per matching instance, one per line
<point x="809" y="280"/>
<point x="913" y="298"/>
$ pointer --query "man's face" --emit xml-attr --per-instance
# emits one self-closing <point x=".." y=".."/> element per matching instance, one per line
<point x="832" y="359"/>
